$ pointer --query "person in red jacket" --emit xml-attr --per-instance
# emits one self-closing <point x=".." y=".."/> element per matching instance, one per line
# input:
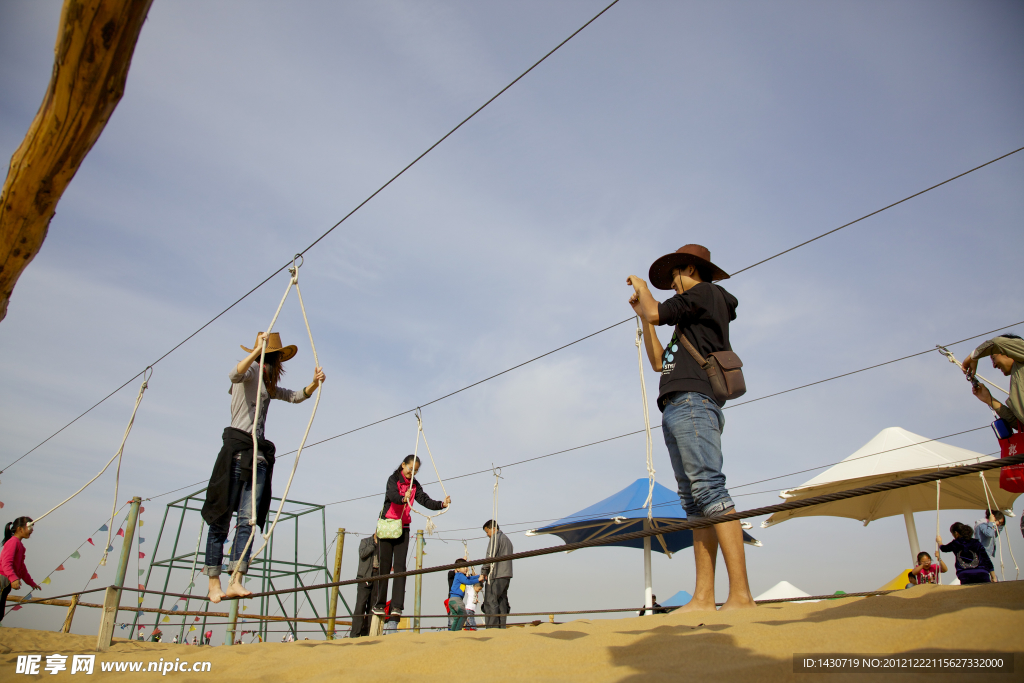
<point x="12" y="560"/>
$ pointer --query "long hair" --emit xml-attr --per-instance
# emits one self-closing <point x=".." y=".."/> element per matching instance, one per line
<point x="273" y="368"/>
<point x="12" y="527"/>
<point x="408" y="459"/>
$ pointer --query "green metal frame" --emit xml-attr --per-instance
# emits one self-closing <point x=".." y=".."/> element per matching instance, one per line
<point x="273" y="572"/>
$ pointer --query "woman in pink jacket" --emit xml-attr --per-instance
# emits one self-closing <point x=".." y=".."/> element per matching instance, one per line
<point x="12" y="559"/>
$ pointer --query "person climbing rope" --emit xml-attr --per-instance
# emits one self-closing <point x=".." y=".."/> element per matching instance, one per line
<point x="230" y="488"/>
<point x="402" y="489"/>
<point x="1007" y="353"/>
<point x="692" y="420"/>
<point x="973" y="564"/>
<point x="12" y="560"/>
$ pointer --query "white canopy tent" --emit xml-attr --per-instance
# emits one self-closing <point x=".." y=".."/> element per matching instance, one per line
<point x="783" y="590"/>
<point x="894" y="454"/>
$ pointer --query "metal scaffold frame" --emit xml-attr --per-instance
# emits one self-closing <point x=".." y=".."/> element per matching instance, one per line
<point x="270" y="570"/>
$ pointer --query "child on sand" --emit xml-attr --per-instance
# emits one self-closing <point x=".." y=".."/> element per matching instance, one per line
<point x="973" y="564"/>
<point x="926" y="571"/>
<point x="231" y="483"/>
<point x="12" y="560"/>
<point x="472" y="601"/>
<point x="461" y="584"/>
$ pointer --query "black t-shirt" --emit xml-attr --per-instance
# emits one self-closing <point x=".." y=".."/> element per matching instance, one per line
<point x="703" y="314"/>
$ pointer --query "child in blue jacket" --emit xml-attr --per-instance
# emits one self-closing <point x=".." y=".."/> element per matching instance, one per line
<point x="456" y="595"/>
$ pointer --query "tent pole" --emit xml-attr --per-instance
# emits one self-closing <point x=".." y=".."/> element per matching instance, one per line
<point x="648" y="590"/>
<point x="915" y="546"/>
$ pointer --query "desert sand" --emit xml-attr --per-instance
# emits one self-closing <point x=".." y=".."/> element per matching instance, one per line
<point x="750" y="645"/>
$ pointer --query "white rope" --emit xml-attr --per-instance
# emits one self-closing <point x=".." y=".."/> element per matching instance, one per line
<point x="647" y="425"/>
<point x="999" y="536"/>
<point x="298" y="454"/>
<point x="492" y="542"/>
<point x="430" y="527"/>
<point x="938" y="532"/>
<point x="147" y="374"/>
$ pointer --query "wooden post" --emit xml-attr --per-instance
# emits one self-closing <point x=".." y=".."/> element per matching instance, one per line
<point x="95" y="43"/>
<point x="112" y="599"/>
<point x="419" y="582"/>
<point x="66" y="628"/>
<point x="334" y="589"/>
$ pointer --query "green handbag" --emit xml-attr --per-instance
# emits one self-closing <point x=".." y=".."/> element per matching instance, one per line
<point x="389" y="528"/>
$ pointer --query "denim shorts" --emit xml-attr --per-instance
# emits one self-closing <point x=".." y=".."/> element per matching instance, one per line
<point x="692" y="424"/>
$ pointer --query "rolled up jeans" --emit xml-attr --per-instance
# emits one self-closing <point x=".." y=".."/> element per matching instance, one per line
<point x="692" y="424"/>
<point x="240" y="500"/>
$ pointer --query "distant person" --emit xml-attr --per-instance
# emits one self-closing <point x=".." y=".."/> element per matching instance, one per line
<point x="973" y="564"/>
<point x="926" y="571"/>
<point x="987" y="532"/>
<point x="1007" y="352"/>
<point x="369" y="566"/>
<point x="231" y="483"/>
<point x="692" y="420"/>
<point x="498" y="576"/>
<point x="655" y="607"/>
<point x="402" y="488"/>
<point x="12" y="560"/>
<point x="195" y="641"/>
<point x="174" y="640"/>
<point x="461" y="585"/>
<point x="209" y="636"/>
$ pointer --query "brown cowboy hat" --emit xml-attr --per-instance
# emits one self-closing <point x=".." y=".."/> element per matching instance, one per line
<point x="274" y="345"/>
<point x="691" y="254"/>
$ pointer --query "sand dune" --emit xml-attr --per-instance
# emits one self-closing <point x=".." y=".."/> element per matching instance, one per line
<point x="753" y="645"/>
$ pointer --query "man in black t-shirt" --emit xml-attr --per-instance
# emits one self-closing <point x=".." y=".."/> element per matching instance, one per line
<point x="692" y="421"/>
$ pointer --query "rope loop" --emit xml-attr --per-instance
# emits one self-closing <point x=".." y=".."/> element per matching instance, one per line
<point x="649" y="503"/>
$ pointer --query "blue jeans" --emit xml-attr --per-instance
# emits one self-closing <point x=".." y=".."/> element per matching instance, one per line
<point x="456" y="613"/>
<point x="241" y="499"/>
<point x="692" y="424"/>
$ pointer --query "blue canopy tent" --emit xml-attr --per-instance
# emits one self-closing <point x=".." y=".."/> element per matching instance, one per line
<point x="623" y="513"/>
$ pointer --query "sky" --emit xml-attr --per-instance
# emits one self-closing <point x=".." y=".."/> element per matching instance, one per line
<point x="248" y="129"/>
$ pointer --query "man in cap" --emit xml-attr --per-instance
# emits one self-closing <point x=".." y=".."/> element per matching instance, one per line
<point x="692" y="421"/>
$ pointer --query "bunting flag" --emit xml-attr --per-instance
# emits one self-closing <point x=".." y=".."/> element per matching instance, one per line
<point x="174" y="609"/>
<point x="141" y="539"/>
<point x="59" y="569"/>
<point x="16" y="608"/>
<point x="1" y="504"/>
<point x="76" y="555"/>
<point x="95" y="576"/>
<point x="140" y="615"/>
<point x="142" y="555"/>
<point x="141" y="510"/>
<point x="245" y="607"/>
<point x="141" y="587"/>
<point x="166" y="619"/>
<point x="197" y="619"/>
<point x="140" y="600"/>
<point x="192" y="585"/>
<point x="191" y="628"/>
<point x="46" y="580"/>
<point x="142" y="523"/>
<point x="120" y="532"/>
<point x="28" y="596"/>
<point x="179" y="599"/>
<point x="110" y="547"/>
<point x="103" y="528"/>
<point x="141" y="572"/>
<point x="90" y="541"/>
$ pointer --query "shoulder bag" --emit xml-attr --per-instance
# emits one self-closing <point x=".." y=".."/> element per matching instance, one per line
<point x="724" y="370"/>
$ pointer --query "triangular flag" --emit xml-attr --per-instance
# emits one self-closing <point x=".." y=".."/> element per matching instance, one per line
<point x="166" y="619"/>
<point x="90" y="541"/>
<point x="141" y="587"/>
<point x="142" y="523"/>
<point x="46" y="580"/>
<point x="28" y="596"/>
<point x="140" y="600"/>
<point x="141" y="539"/>
<point x="75" y="555"/>
<point x="141" y="572"/>
<point x="59" y="569"/>
<point x="103" y="528"/>
<point x="1" y="504"/>
<point x="95" y="576"/>
<point x="191" y="585"/>
<point x="16" y="608"/>
<point x="142" y="555"/>
<point x="197" y="618"/>
<point x="179" y="599"/>
<point x="191" y="628"/>
<point x="174" y="609"/>
<point x="245" y="607"/>
<point x="110" y="548"/>
<point x="140" y="615"/>
<point x="120" y="532"/>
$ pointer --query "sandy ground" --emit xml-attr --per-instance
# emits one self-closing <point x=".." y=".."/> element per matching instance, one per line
<point x="750" y="645"/>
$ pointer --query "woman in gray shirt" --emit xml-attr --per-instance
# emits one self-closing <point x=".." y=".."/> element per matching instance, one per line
<point x="230" y="488"/>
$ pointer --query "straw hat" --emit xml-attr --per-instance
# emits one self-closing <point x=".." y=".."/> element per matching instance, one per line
<point x="695" y="254"/>
<point x="274" y="344"/>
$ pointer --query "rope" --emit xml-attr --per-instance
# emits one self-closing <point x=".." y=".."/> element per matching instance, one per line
<point x="688" y="524"/>
<point x="430" y="527"/>
<point x="492" y="540"/>
<point x="647" y="424"/>
<point x="117" y="456"/>
<point x="952" y="359"/>
<point x="316" y="403"/>
<point x="999" y="536"/>
<point x="938" y="530"/>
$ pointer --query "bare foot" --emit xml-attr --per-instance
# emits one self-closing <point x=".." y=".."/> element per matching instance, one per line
<point x="216" y="592"/>
<point x="237" y="590"/>
<point x="746" y="602"/>
<point x="697" y="606"/>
